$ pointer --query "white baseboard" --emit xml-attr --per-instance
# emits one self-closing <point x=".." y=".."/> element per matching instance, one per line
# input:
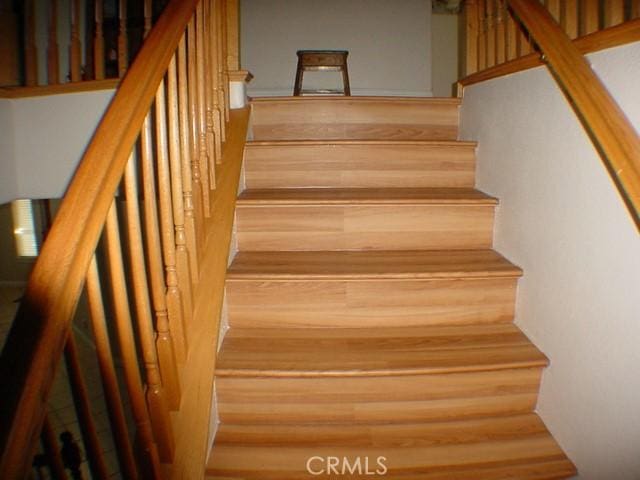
<point x="359" y="92"/>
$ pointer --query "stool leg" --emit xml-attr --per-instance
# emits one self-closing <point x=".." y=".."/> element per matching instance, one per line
<point x="297" y="87"/>
<point x="345" y="81"/>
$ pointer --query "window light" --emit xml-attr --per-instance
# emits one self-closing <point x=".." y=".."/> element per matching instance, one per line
<point x="24" y="230"/>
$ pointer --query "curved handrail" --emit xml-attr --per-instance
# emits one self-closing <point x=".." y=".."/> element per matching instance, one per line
<point x="611" y="132"/>
<point x="43" y="320"/>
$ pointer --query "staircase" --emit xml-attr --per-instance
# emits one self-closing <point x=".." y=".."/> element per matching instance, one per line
<point x="370" y="320"/>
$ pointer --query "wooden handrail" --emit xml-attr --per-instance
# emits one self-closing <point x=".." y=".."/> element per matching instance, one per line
<point x="610" y="130"/>
<point x="42" y="324"/>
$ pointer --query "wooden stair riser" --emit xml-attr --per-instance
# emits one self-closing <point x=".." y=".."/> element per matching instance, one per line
<point x="369" y="303"/>
<point x="336" y="165"/>
<point x="364" y="227"/>
<point x="409" y="398"/>
<point x="553" y="469"/>
<point x="360" y="118"/>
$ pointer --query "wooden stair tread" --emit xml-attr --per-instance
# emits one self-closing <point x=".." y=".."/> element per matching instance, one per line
<point x="382" y="196"/>
<point x="366" y="142"/>
<point x="409" y="264"/>
<point x="327" y="352"/>
<point x="482" y="448"/>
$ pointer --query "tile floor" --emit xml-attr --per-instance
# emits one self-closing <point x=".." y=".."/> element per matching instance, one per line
<point x="61" y="409"/>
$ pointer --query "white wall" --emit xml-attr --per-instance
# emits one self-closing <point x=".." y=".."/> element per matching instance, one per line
<point x="388" y="42"/>
<point x="562" y="220"/>
<point x="444" y="53"/>
<point x="8" y="184"/>
<point x="42" y="140"/>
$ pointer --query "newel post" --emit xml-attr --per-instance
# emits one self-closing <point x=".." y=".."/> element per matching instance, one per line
<point x="238" y="79"/>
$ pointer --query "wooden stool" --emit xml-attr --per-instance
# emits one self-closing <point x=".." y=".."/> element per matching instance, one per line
<point x="322" y="60"/>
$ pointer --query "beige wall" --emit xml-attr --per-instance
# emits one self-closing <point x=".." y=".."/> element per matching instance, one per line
<point x="42" y="140"/>
<point x="562" y="220"/>
<point x="444" y="54"/>
<point x="388" y="42"/>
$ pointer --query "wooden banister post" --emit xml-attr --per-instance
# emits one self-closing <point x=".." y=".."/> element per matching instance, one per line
<point x="613" y="12"/>
<point x="30" y="48"/>
<point x="123" y="41"/>
<point x="53" y="75"/>
<point x="501" y="31"/>
<point x="98" y="42"/>
<point x="490" y="12"/>
<point x="471" y="20"/>
<point x="75" y="47"/>
<point x="569" y="17"/>
<point x="589" y="16"/>
<point x="481" y="43"/>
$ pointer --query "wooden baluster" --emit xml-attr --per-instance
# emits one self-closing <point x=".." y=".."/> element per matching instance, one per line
<point x="491" y="32"/>
<point x="165" y="339"/>
<point x="93" y="450"/>
<point x="177" y="195"/>
<point x="470" y="12"/>
<point x="75" y="47"/>
<point x="613" y="12"/>
<point x="148" y="454"/>
<point x="53" y="54"/>
<point x="501" y="31"/>
<point x="233" y="33"/>
<point x="156" y="397"/>
<point x="589" y="16"/>
<point x="191" y="189"/>
<point x="482" y="36"/>
<point x="213" y="112"/>
<point x="98" y="41"/>
<point x="218" y="64"/>
<point x="173" y="295"/>
<point x="554" y="8"/>
<point x="207" y="163"/>
<point x="30" y="48"/>
<point x="569" y="20"/>
<point x="52" y="450"/>
<point x="198" y="157"/>
<point x="123" y="41"/>
<point x="524" y="42"/>
<point x="148" y="16"/>
<point x="108" y="374"/>
<point x="512" y="36"/>
<point x="222" y="67"/>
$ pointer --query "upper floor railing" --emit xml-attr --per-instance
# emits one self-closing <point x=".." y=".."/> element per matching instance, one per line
<point x="74" y="41"/>
<point x="133" y="237"/>
<point x="507" y="36"/>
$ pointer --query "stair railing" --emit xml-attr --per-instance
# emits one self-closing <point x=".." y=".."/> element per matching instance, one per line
<point x="133" y="237"/>
<point x="76" y="41"/>
<point x="507" y="36"/>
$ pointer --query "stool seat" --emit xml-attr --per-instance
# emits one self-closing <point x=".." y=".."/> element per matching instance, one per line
<point x="322" y="60"/>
